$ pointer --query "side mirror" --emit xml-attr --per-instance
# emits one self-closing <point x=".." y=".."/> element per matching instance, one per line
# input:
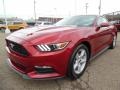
<point x="104" y="24"/>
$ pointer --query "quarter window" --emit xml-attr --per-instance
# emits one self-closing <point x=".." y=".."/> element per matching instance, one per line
<point x="101" y="20"/>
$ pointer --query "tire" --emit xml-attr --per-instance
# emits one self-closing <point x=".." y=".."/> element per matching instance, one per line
<point x="113" y="44"/>
<point x="2" y="29"/>
<point x="78" y="62"/>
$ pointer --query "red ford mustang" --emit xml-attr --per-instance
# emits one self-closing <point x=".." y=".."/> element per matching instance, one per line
<point x="60" y="50"/>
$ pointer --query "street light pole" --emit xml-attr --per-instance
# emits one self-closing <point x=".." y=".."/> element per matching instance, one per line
<point x="35" y="11"/>
<point x="54" y="20"/>
<point x="100" y="7"/>
<point x="86" y="5"/>
<point x="6" y="23"/>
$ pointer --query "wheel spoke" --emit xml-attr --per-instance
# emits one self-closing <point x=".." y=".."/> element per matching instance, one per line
<point x="75" y="65"/>
<point x="83" y="61"/>
<point x="82" y="53"/>
<point x="79" y="67"/>
<point x="77" y="56"/>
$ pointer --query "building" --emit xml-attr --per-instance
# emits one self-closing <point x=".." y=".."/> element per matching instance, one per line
<point x="49" y="19"/>
<point x="113" y="16"/>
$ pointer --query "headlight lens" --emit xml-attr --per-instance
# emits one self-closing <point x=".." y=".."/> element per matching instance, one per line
<point x="52" y="47"/>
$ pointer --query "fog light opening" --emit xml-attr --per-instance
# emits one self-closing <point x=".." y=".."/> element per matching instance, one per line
<point x="44" y="69"/>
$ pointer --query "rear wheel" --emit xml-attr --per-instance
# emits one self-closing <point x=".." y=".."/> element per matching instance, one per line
<point x="78" y="62"/>
<point x="113" y="44"/>
<point x="2" y="29"/>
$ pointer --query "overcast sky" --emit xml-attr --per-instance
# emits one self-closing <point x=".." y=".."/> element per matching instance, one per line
<point x="59" y="8"/>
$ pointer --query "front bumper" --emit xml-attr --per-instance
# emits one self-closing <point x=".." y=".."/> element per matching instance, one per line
<point x="16" y="70"/>
<point x="32" y="75"/>
<point x="58" y="62"/>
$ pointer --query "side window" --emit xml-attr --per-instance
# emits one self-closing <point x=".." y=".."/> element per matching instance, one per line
<point x="101" y="20"/>
<point x="17" y="22"/>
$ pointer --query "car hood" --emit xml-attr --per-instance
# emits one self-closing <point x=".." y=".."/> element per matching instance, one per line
<point x="43" y="32"/>
<point x="39" y="31"/>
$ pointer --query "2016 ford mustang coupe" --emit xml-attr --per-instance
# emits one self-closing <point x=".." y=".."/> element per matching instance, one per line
<point x="63" y="49"/>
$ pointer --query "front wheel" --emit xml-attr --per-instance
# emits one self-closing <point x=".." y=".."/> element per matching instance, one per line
<point x="78" y="62"/>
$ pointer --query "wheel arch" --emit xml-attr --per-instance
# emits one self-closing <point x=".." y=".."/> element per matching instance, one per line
<point x="87" y="44"/>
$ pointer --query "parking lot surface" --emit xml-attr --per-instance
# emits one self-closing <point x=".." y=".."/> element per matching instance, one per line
<point x="103" y="73"/>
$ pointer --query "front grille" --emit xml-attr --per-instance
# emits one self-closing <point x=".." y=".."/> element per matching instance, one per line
<point x="17" y="48"/>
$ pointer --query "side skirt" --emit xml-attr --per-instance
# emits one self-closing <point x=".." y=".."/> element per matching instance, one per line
<point x="99" y="53"/>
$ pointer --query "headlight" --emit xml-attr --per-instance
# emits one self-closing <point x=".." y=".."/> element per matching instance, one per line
<point x="52" y="47"/>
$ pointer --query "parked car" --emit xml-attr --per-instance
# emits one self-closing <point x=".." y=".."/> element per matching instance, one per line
<point x="116" y="23"/>
<point x="14" y="25"/>
<point x="60" y="50"/>
<point x="41" y="23"/>
<point x="31" y="23"/>
<point x="2" y="24"/>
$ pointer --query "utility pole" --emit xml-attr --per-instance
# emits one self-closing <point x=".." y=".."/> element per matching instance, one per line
<point x="100" y="7"/>
<point x="6" y="23"/>
<point x="54" y="19"/>
<point x="75" y="7"/>
<point x="35" y="11"/>
<point x="86" y="7"/>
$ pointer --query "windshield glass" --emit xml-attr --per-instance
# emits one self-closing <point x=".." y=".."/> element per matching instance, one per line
<point x="82" y="21"/>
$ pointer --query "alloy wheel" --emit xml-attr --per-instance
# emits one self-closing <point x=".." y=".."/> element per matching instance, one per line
<point x="80" y="61"/>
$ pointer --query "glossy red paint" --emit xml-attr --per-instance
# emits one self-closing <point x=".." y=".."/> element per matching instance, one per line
<point x="97" y="37"/>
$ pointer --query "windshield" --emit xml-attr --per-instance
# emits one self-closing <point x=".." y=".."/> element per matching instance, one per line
<point x="82" y="21"/>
